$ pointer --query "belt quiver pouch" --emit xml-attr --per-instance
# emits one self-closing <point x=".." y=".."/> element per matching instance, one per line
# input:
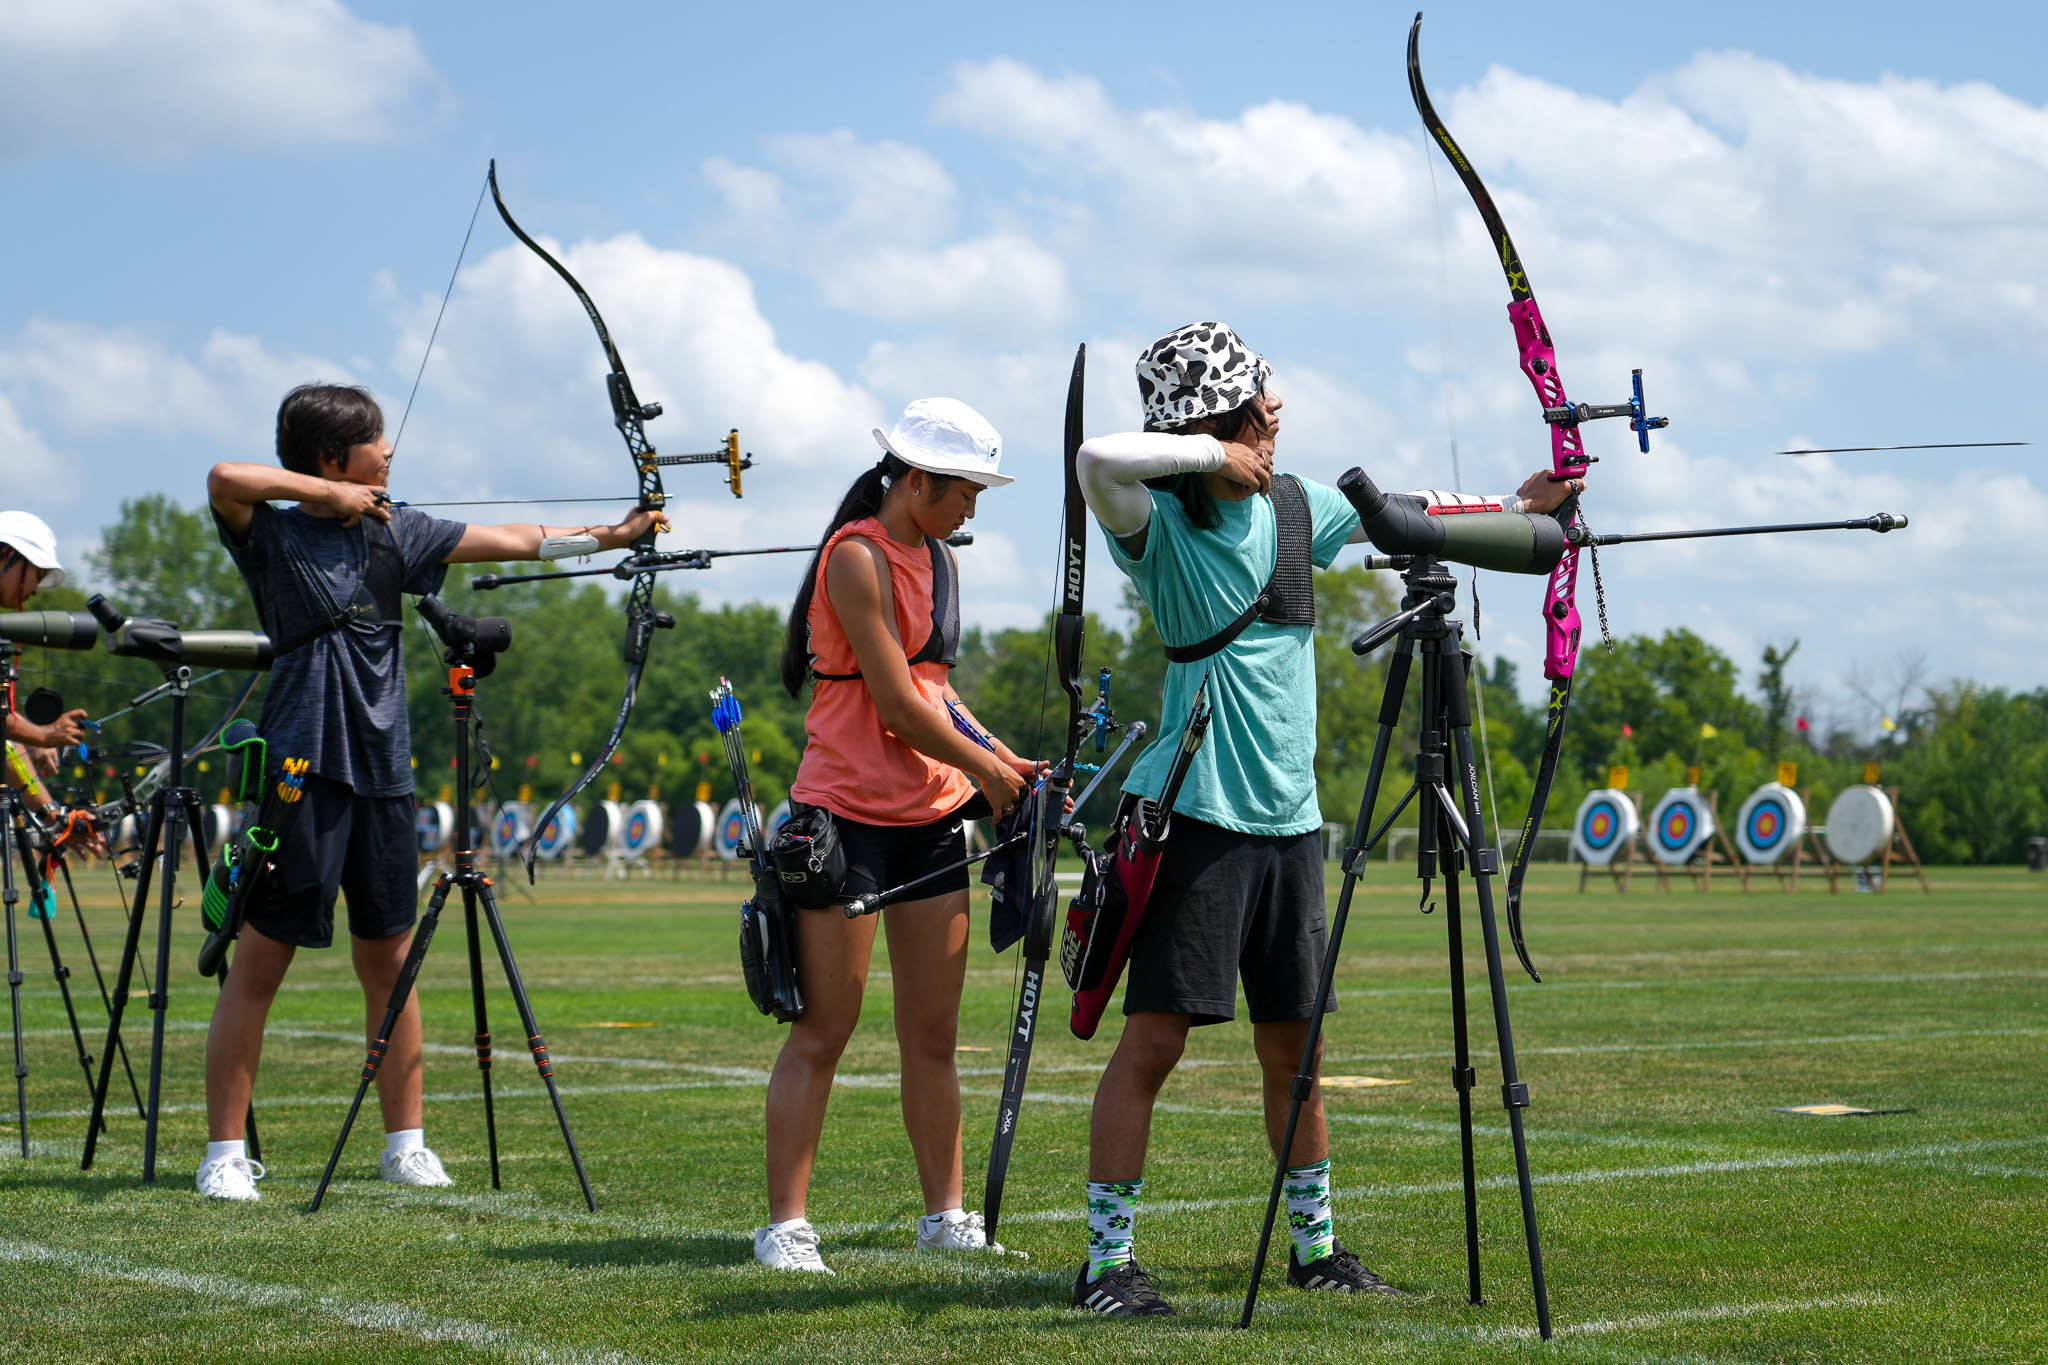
<point x="808" y="858"/>
<point x="768" y="948"/>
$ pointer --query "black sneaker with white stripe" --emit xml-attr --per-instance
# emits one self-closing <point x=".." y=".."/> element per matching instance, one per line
<point x="1340" y="1272"/>
<point x="1126" y="1291"/>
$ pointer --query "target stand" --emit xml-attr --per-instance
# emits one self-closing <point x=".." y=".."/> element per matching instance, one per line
<point x="1864" y="833"/>
<point x="1772" y="822"/>
<point x="1607" y="833"/>
<point x="1685" y="837"/>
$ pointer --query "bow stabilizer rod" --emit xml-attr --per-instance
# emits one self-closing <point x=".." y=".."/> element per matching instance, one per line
<point x="662" y="562"/>
<point x="1879" y="522"/>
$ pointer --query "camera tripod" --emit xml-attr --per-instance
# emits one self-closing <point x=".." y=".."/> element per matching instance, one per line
<point x="476" y="890"/>
<point x="15" y="844"/>
<point x="1452" y="834"/>
<point x="174" y="811"/>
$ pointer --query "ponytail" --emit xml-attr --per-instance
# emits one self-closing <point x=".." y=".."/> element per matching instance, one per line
<point x="863" y="499"/>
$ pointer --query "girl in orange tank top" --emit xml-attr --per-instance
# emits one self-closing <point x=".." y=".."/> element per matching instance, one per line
<point x="872" y="634"/>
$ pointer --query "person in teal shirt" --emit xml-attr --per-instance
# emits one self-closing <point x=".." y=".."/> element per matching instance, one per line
<point x="1195" y="517"/>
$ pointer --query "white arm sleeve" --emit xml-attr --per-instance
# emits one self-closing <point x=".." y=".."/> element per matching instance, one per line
<point x="1113" y="469"/>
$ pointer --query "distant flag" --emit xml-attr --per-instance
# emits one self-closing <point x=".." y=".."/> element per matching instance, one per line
<point x="1888" y="724"/>
<point x="1803" y="726"/>
<point x="1707" y="731"/>
<point x="1627" y="730"/>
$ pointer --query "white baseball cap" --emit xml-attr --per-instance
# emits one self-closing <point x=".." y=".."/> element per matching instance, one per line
<point x="945" y="436"/>
<point x="34" y="541"/>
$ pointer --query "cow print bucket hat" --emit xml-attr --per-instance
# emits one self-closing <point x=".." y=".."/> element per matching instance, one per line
<point x="1197" y="371"/>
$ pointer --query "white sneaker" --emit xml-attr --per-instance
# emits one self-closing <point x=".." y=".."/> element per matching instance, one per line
<point x="230" y="1177"/>
<point x="954" y="1231"/>
<point x="790" y="1246"/>
<point x="414" y="1166"/>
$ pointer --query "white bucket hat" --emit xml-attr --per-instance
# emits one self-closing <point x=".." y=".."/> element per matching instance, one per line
<point x="33" y="540"/>
<point x="945" y="436"/>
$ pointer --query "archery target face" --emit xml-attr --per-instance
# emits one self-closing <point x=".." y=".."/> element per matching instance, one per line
<point x="732" y="828"/>
<point x="1679" y="826"/>
<point x="513" y="827"/>
<point x="1769" y="823"/>
<point x="560" y="834"/>
<point x="1605" y="824"/>
<point x="1860" y="823"/>
<point x="435" y="825"/>
<point x="643" y="828"/>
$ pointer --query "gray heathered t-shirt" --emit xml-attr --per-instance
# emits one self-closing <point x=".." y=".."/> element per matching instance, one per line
<point x="338" y="700"/>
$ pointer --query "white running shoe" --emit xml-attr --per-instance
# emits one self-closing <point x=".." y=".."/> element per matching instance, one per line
<point x="954" y="1231"/>
<point x="415" y="1166"/>
<point x="230" y="1177"/>
<point x="790" y="1246"/>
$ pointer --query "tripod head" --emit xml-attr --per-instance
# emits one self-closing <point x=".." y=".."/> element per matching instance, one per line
<point x="1426" y="606"/>
<point x="472" y="642"/>
<point x="169" y="648"/>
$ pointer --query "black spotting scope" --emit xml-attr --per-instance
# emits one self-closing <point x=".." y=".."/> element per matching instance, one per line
<point x="161" y="642"/>
<point x="1506" y="542"/>
<point x="50" y="629"/>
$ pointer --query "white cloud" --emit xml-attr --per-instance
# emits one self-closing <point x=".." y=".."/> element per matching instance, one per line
<point x="36" y="475"/>
<point x="87" y="378"/>
<point x="159" y="79"/>
<point x="870" y="224"/>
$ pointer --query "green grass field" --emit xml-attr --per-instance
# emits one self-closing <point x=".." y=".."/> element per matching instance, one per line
<point x="1683" y="1216"/>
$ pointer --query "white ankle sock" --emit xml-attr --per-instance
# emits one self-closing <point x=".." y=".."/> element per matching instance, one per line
<point x="405" y="1139"/>
<point x="238" y="1147"/>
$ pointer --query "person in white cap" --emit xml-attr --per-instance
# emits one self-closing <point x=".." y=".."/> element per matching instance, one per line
<point x="28" y="564"/>
<point x="871" y="637"/>
<point x="1220" y="547"/>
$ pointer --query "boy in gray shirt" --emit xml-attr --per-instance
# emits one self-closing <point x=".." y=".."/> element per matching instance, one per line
<point x="327" y="575"/>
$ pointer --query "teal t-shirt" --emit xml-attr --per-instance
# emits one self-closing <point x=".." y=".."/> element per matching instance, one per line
<point x="1255" y="771"/>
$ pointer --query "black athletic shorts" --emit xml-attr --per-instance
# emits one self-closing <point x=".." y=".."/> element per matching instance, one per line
<point x="879" y="857"/>
<point x="362" y="846"/>
<point x="1228" y="906"/>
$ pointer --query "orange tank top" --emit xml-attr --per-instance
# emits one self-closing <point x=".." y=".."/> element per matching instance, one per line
<point x="851" y="765"/>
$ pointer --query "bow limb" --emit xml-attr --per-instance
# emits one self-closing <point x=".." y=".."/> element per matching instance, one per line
<point x="530" y="851"/>
<point x="1069" y="628"/>
<point x="1568" y="460"/>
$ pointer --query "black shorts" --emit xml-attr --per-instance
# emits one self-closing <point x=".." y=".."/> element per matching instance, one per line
<point x="879" y="857"/>
<point x="1227" y="906"/>
<point x="362" y="846"/>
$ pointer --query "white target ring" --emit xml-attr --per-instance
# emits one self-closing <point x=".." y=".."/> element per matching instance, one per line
<point x="1770" y="822"/>
<point x="1680" y="826"/>
<point x="1860" y="824"/>
<point x="1606" y="823"/>
<point x="603" y="831"/>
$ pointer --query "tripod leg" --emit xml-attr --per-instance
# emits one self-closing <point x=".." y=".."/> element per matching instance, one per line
<point x="408" y="973"/>
<point x="42" y="894"/>
<point x="1462" y="1079"/>
<point x="1514" y="1094"/>
<point x="8" y="895"/>
<point x="483" y="1026"/>
<point x="1354" y="866"/>
<point x="92" y="960"/>
<point x="533" y="1035"/>
<point x="131" y="950"/>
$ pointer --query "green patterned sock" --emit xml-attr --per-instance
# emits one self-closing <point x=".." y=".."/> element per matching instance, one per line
<point x="1112" y="1210"/>
<point x="1308" y="1211"/>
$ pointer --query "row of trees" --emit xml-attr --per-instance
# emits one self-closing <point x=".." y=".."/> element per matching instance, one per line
<point x="1972" y="761"/>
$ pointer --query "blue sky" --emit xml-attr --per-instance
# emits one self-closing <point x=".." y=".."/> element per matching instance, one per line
<point x="1810" y="223"/>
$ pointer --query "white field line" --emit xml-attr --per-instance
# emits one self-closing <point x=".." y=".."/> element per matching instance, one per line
<point x="1643" y="1322"/>
<point x="454" y="983"/>
<point x="367" y="1314"/>
<point x="524" y="1206"/>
